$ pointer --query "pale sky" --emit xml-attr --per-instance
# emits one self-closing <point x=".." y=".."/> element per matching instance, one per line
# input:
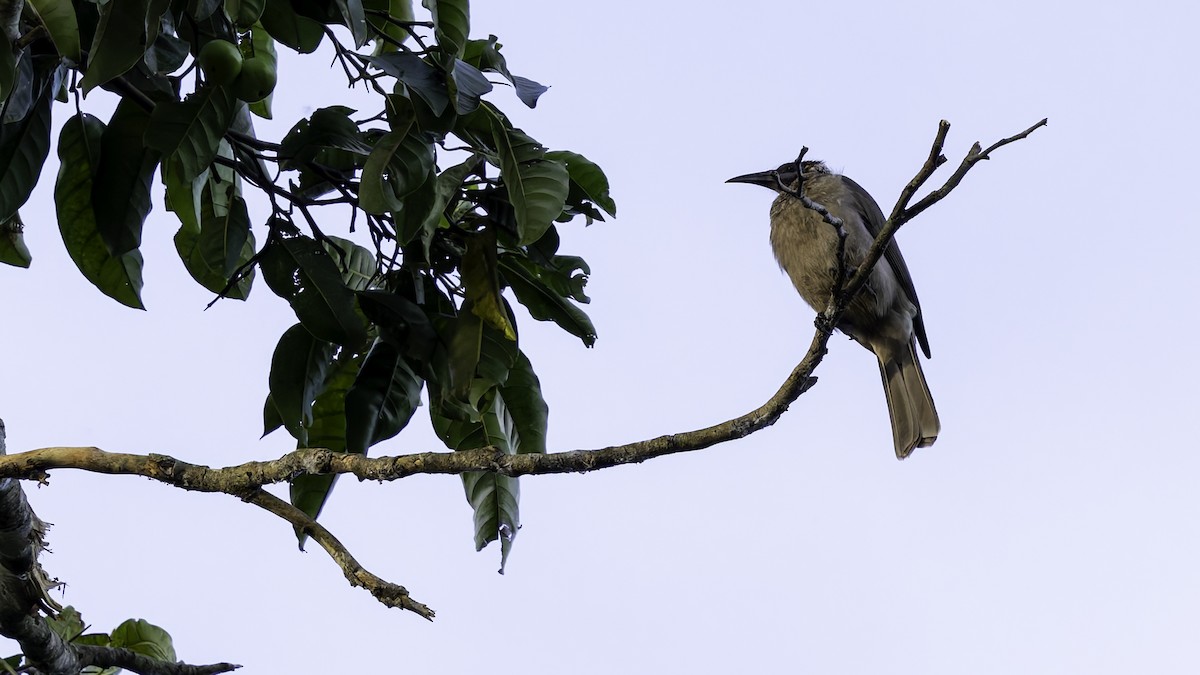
<point x="1052" y="528"/>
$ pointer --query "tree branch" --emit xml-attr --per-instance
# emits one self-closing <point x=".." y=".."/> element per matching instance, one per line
<point x="246" y="481"/>
<point x="117" y="657"/>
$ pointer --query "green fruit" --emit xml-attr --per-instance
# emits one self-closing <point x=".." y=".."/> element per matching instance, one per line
<point x="221" y="61"/>
<point x="256" y="81"/>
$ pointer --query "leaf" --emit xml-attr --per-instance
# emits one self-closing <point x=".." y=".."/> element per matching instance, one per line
<point x="588" y="176"/>
<point x="328" y="430"/>
<point x="399" y="11"/>
<point x="448" y="184"/>
<point x="495" y="498"/>
<point x="24" y="146"/>
<point x="401" y="322"/>
<point x="397" y="166"/>
<point x="121" y="187"/>
<point x="12" y="243"/>
<point x="272" y="420"/>
<point x="426" y="81"/>
<point x="121" y="40"/>
<point x="565" y="275"/>
<point x="8" y="67"/>
<point x="451" y="24"/>
<point x="470" y="85"/>
<point x="537" y="188"/>
<point x="466" y="338"/>
<point x="528" y="91"/>
<point x="143" y="637"/>
<point x="190" y="131"/>
<point x="544" y="304"/>
<point x="383" y="399"/>
<point x="522" y="394"/>
<point x="119" y="277"/>
<point x="58" y="17"/>
<point x="291" y="29"/>
<point x="356" y="262"/>
<point x="222" y="243"/>
<point x="327" y="128"/>
<point x="482" y="285"/>
<point x="299" y="368"/>
<point x="355" y="19"/>
<point x="485" y="55"/>
<point x="298" y="270"/>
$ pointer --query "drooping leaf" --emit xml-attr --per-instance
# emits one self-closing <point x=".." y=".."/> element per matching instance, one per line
<point x="383" y="399"/>
<point x="167" y="54"/>
<point x="8" y="67"/>
<point x="221" y="244"/>
<point x="356" y="262"/>
<point x="451" y="24"/>
<point x="448" y="184"/>
<point x="495" y="498"/>
<point x="24" y="145"/>
<point x="481" y="282"/>
<point x="121" y="186"/>
<point x="588" y="177"/>
<point x="291" y="29"/>
<point x="12" y="243"/>
<point x="190" y="131"/>
<point x="537" y="188"/>
<point x="565" y="275"/>
<point x="544" y="304"/>
<point x="326" y="128"/>
<point x="272" y="420"/>
<point x="426" y="81"/>
<point x="470" y="86"/>
<point x="307" y="492"/>
<point x="299" y="368"/>
<point x="485" y="55"/>
<point x="522" y="394"/>
<point x="121" y="40"/>
<point x="466" y="337"/>
<point x="354" y="18"/>
<point x="298" y="270"/>
<point x="528" y="91"/>
<point x="401" y="322"/>
<point x="79" y="147"/>
<point x="143" y="637"/>
<point x="400" y="163"/>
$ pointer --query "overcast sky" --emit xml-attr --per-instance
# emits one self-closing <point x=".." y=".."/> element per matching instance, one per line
<point x="1052" y="528"/>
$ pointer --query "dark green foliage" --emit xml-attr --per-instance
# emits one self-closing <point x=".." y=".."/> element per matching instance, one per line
<point x="459" y="209"/>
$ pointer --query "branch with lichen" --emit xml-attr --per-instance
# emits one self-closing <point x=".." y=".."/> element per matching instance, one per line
<point x="246" y="481"/>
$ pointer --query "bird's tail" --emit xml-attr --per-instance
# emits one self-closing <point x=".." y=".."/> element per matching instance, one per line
<point x="914" y="417"/>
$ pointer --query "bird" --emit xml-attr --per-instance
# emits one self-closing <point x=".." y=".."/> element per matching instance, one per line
<point x="885" y="316"/>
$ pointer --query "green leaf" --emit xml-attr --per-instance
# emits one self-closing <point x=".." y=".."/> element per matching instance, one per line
<point x="309" y="493"/>
<point x="537" y="188"/>
<point x="291" y="29"/>
<point x="448" y="184"/>
<point x="494" y="498"/>
<point x="327" y="128"/>
<point x="355" y="19"/>
<point x="543" y="303"/>
<point x="272" y="420"/>
<point x="485" y="55"/>
<point x="58" y="17"/>
<point x="522" y="393"/>
<point x="451" y="24"/>
<point x="383" y="399"/>
<point x="356" y="262"/>
<point x="426" y="81"/>
<point x="589" y="177"/>
<point x="12" y="243"/>
<point x="470" y="85"/>
<point x="466" y="337"/>
<point x="119" y="277"/>
<point x="67" y="624"/>
<point x="190" y="131"/>
<point x="145" y="638"/>
<point x="399" y="10"/>
<point x="121" y="40"/>
<point x="24" y="146"/>
<point x="221" y="244"/>
<point x="400" y="163"/>
<point x="401" y="322"/>
<point x="299" y="368"/>
<point x="482" y="284"/>
<point x="121" y="184"/>
<point x="298" y="270"/>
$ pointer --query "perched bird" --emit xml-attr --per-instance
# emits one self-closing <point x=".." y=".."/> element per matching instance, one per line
<point x="885" y="316"/>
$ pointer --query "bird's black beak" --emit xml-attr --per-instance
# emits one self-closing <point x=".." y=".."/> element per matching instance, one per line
<point x="767" y="179"/>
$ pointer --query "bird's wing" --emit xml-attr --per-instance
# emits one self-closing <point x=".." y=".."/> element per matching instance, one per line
<point x="873" y="217"/>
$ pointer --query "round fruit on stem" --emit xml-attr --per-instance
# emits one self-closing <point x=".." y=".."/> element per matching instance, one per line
<point x="256" y="80"/>
<point x="221" y="61"/>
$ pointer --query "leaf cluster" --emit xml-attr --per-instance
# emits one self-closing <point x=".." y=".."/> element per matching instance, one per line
<point x="458" y="209"/>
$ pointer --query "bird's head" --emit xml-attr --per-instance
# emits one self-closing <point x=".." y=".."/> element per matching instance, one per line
<point x="784" y="176"/>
